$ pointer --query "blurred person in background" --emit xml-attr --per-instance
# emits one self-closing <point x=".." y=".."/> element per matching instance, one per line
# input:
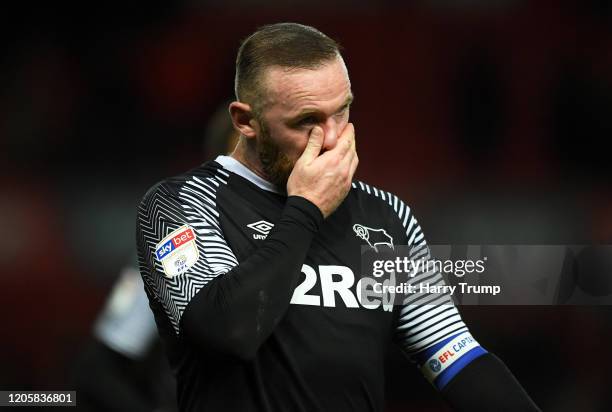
<point x="222" y="249"/>
<point x="124" y="357"/>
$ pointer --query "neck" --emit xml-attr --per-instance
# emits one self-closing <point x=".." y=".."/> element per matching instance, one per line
<point x="246" y="154"/>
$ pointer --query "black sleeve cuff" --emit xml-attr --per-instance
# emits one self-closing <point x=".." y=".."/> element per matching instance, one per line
<point x="486" y="384"/>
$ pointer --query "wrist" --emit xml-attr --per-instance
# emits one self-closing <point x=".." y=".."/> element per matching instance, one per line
<point x="304" y="212"/>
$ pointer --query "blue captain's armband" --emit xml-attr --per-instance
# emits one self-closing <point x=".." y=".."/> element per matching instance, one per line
<point x="441" y="362"/>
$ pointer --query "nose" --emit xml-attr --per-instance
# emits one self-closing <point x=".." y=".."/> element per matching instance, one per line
<point x="330" y="128"/>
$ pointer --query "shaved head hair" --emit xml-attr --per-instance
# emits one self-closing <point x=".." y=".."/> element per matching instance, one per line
<point x="288" y="45"/>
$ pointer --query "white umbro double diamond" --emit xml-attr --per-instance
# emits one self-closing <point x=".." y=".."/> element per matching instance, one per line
<point x="262" y="227"/>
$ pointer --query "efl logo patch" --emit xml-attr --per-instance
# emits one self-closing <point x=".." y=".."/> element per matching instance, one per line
<point x="177" y="252"/>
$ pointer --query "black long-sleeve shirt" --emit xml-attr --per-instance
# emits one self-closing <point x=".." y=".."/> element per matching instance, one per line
<point x="255" y="295"/>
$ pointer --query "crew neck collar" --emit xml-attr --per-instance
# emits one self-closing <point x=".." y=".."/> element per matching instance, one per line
<point x="233" y="165"/>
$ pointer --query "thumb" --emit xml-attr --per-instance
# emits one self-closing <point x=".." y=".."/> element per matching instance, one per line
<point x="314" y="145"/>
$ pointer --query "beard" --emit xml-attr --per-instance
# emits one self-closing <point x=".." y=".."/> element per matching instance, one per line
<point x="276" y="165"/>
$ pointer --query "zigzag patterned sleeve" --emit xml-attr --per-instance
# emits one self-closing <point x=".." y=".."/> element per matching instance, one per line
<point x="430" y="329"/>
<point x="189" y="269"/>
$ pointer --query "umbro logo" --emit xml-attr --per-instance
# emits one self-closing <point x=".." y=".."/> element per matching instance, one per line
<point x="262" y="227"/>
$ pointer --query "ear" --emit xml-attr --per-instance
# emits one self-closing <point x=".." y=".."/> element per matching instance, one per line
<point x="243" y="119"/>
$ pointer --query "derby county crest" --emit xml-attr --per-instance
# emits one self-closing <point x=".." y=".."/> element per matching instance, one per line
<point x="374" y="237"/>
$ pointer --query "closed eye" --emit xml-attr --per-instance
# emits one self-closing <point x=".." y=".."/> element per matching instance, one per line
<point x="342" y="112"/>
<point x="307" y="121"/>
<point x="310" y="120"/>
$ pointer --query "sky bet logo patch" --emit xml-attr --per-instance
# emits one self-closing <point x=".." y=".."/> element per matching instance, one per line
<point x="177" y="252"/>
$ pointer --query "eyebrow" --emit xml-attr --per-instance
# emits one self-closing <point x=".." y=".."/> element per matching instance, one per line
<point x="304" y="113"/>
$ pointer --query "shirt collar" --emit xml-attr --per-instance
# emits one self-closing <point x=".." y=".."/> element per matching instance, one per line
<point x="233" y="165"/>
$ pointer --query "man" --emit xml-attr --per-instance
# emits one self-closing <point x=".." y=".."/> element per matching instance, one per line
<point x="241" y="257"/>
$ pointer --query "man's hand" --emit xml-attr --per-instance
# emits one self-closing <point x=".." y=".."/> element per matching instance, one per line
<point x="325" y="179"/>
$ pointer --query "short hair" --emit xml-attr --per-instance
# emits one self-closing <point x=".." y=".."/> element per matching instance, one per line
<point x="289" y="45"/>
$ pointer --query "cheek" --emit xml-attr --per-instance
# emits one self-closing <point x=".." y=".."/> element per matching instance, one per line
<point x="299" y="140"/>
<point x="290" y="142"/>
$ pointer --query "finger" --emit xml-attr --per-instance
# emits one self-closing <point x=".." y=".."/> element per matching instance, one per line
<point x="314" y="145"/>
<point x="346" y="141"/>
<point x="349" y="144"/>
<point x="354" y="164"/>
<point x="352" y="169"/>
<point x="347" y="160"/>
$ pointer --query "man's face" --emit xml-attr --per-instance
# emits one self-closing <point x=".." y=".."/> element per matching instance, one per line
<point x="296" y="101"/>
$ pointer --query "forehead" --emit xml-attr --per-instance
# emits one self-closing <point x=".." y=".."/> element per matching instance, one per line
<point x="294" y="90"/>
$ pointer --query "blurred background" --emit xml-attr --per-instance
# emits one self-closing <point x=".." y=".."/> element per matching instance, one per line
<point x="490" y="118"/>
